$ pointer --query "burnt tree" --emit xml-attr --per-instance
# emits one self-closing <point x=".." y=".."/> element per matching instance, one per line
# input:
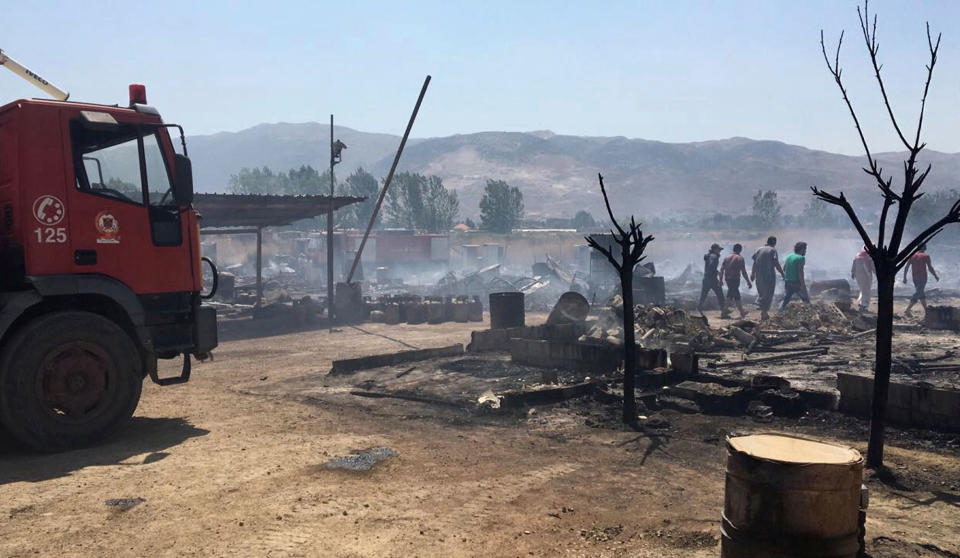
<point x="632" y="243"/>
<point x="889" y="253"/>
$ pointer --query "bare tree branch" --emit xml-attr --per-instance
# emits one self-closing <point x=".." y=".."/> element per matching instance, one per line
<point x="919" y="181"/>
<point x="887" y="255"/>
<point x="606" y="200"/>
<point x="842" y="202"/>
<point x="603" y="250"/>
<point x="837" y="72"/>
<point x="913" y="182"/>
<point x="870" y="38"/>
<point x="632" y="244"/>
<point x="953" y="216"/>
<point x="881" y="236"/>
<point x="934" y="48"/>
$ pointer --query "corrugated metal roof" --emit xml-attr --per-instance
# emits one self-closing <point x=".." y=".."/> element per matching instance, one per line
<point x="263" y="210"/>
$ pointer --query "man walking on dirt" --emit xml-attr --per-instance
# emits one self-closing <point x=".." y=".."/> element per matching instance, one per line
<point x="732" y="268"/>
<point x="711" y="279"/>
<point x="862" y="273"/>
<point x="793" y="281"/>
<point x="765" y="263"/>
<point x="920" y="262"/>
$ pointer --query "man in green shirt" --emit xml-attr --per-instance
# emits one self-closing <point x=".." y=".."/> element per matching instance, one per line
<point x="793" y="275"/>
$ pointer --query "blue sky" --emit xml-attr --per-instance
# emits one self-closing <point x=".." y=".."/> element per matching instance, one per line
<point x="663" y="70"/>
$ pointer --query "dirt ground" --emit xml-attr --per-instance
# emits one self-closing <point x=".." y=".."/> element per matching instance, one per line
<point x="224" y="470"/>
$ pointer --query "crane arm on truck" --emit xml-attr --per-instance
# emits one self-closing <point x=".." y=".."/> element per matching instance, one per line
<point x="31" y="76"/>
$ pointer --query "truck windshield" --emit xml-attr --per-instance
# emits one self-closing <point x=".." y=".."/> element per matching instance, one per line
<point x="108" y="164"/>
<point x="159" y="188"/>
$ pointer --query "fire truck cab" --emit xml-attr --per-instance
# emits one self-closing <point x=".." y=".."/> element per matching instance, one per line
<point x="100" y="266"/>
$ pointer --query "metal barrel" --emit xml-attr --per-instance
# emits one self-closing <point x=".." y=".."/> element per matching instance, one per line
<point x="506" y="310"/>
<point x="790" y="497"/>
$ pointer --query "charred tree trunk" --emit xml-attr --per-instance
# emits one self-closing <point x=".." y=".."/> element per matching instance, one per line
<point x="889" y="252"/>
<point x="629" y="346"/>
<point x="632" y="243"/>
<point x="883" y="362"/>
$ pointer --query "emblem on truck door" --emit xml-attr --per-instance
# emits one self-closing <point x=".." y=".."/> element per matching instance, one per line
<point x="108" y="227"/>
<point x="48" y="210"/>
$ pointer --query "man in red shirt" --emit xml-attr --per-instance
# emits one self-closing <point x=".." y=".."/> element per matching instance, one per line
<point x="732" y="268"/>
<point x="920" y="262"/>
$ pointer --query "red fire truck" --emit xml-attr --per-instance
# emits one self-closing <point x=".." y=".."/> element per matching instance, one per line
<point x="100" y="264"/>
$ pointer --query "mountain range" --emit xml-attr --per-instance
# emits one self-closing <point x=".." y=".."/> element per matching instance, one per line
<point x="558" y="173"/>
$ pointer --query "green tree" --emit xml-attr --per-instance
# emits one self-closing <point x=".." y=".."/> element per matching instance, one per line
<point x="417" y="202"/>
<point x="255" y="181"/>
<point x="583" y="220"/>
<point x="305" y="180"/>
<point x="817" y="213"/>
<point x="501" y="208"/>
<point x="359" y="184"/>
<point x="440" y="206"/>
<point x="404" y="201"/>
<point x="766" y="209"/>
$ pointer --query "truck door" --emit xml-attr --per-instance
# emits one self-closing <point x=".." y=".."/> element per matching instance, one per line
<point x="124" y="221"/>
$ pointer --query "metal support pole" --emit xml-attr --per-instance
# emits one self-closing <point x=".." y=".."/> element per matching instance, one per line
<point x="330" y="313"/>
<point x="259" y="265"/>
<point x="386" y="183"/>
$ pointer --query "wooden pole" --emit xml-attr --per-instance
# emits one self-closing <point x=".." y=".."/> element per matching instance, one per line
<point x="386" y="183"/>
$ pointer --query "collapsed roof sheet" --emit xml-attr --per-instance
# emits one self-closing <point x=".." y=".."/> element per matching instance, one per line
<point x="263" y="210"/>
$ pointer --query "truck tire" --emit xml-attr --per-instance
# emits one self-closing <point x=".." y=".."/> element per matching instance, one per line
<point x="67" y="379"/>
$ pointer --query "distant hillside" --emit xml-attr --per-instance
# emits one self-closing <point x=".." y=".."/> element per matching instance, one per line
<point x="281" y="147"/>
<point x="557" y="173"/>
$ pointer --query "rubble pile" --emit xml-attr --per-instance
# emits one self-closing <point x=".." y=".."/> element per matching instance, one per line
<point x="670" y="319"/>
<point x="689" y="279"/>
<point x="541" y="289"/>
<point x="826" y="317"/>
<point x="667" y="326"/>
<point x="477" y="283"/>
<point x="655" y="327"/>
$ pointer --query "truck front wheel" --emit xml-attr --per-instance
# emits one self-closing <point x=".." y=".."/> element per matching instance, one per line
<point x="67" y="379"/>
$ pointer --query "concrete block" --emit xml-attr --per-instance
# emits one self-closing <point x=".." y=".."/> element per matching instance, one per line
<point x="568" y="355"/>
<point x="648" y="359"/>
<point x="498" y="339"/>
<point x="920" y="406"/>
<point x="817" y="399"/>
<point x="686" y="363"/>
<point x="942" y="317"/>
<point x="657" y="377"/>
<point x="712" y="398"/>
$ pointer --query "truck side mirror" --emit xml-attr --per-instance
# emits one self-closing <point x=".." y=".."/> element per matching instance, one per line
<point x="182" y="180"/>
